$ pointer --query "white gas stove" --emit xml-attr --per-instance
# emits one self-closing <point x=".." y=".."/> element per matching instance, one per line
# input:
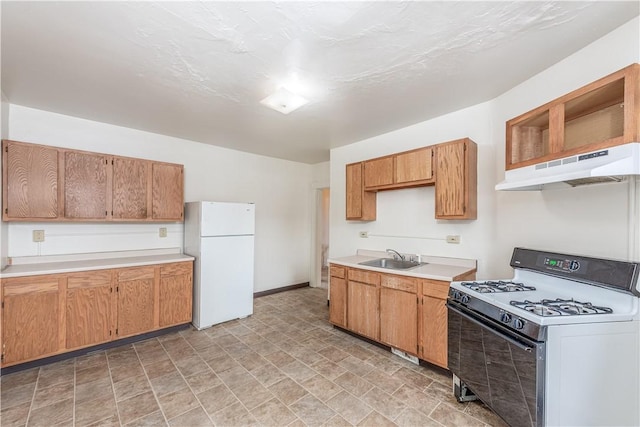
<point x="556" y="344"/>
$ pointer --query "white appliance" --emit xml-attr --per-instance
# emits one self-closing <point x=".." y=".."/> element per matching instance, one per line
<point x="221" y="238"/>
<point x="556" y="345"/>
<point x="606" y="165"/>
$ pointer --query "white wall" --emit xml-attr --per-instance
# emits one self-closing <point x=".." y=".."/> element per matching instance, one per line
<point x="592" y="220"/>
<point x="279" y="188"/>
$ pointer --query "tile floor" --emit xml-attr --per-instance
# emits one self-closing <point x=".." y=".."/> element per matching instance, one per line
<point x="283" y="366"/>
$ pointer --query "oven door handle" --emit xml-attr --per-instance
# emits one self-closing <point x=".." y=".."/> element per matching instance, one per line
<point x="490" y="324"/>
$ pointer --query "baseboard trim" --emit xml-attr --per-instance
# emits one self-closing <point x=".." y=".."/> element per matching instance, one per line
<point x="282" y="289"/>
<point x="87" y="350"/>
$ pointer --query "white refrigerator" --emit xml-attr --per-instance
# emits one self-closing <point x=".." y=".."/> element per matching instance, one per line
<point x="221" y="238"/>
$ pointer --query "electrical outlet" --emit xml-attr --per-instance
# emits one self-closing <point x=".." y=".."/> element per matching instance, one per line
<point x="163" y="231"/>
<point x="38" y="236"/>
<point x="453" y="239"/>
<point x="364" y="234"/>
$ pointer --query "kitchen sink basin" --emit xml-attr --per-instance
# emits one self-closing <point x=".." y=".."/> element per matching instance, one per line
<point x="393" y="264"/>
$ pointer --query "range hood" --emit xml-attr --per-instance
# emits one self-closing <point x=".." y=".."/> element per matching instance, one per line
<point x="607" y="165"/>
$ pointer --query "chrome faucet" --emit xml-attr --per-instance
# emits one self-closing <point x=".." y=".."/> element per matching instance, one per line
<point x="396" y="254"/>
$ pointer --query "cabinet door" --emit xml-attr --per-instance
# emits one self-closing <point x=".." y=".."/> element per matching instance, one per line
<point x="414" y="166"/>
<point x="399" y="319"/>
<point x="30" y="181"/>
<point x="130" y="188"/>
<point x="85" y="185"/>
<point x="136" y="300"/>
<point x="378" y="172"/>
<point x="338" y="301"/>
<point x="89" y="306"/>
<point x="456" y="180"/>
<point x="434" y="331"/>
<point x="361" y="205"/>
<point x="30" y="318"/>
<point x="176" y="294"/>
<point x="168" y="201"/>
<point x="363" y="312"/>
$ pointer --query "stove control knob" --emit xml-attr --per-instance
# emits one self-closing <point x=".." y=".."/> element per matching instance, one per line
<point x="455" y="294"/>
<point x="505" y="318"/>
<point x="518" y="323"/>
<point x="464" y="298"/>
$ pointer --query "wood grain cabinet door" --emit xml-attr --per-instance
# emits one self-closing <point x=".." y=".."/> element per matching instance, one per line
<point x="399" y="319"/>
<point x="30" y="318"/>
<point x="456" y="180"/>
<point x="30" y="181"/>
<point x="360" y="204"/>
<point x="135" y="288"/>
<point x="338" y="301"/>
<point x="130" y="199"/>
<point x="176" y="294"/>
<point x="434" y="331"/>
<point x="168" y="192"/>
<point x="414" y="166"/>
<point x="378" y="172"/>
<point x="90" y="306"/>
<point x="85" y="185"/>
<point x="363" y="311"/>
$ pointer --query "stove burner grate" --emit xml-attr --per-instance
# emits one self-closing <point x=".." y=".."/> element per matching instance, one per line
<point x="560" y="307"/>
<point x="491" y="286"/>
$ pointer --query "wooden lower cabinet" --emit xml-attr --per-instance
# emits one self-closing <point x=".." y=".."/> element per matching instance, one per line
<point x="399" y="319"/>
<point x="89" y="308"/>
<point x="404" y="312"/>
<point x="32" y="317"/>
<point x="363" y="303"/>
<point x="51" y="314"/>
<point x="337" y="295"/>
<point x="433" y="322"/>
<point x="135" y="287"/>
<point x="175" y="299"/>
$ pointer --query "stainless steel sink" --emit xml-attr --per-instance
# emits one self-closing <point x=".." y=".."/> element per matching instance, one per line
<point x="393" y="264"/>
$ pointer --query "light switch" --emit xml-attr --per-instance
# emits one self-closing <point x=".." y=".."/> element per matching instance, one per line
<point x="163" y="231"/>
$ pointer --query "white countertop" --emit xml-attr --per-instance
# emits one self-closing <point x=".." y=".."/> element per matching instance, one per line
<point x="32" y="266"/>
<point x="436" y="268"/>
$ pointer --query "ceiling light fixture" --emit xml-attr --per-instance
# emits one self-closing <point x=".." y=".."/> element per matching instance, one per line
<point x="284" y="101"/>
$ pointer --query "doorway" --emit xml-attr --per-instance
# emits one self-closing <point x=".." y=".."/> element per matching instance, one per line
<point x="322" y="237"/>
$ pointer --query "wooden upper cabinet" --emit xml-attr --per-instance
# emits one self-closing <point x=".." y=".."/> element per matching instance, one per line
<point x="456" y="183"/>
<point x="599" y="115"/>
<point x="167" y="200"/>
<point x="85" y="185"/>
<point x="90" y="307"/>
<point x="42" y="183"/>
<point x="401" y="170"/>
<point x="378" y="172"/>
<point x="413" y="166"/>
<point x="361" y="205"/>
<point x="130" y="188"/>
<point x="30" y="182"/>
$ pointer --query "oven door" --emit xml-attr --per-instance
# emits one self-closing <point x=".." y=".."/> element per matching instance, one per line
<point x="505" y="370"/>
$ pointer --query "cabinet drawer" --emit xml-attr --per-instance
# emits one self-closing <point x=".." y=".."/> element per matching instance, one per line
<point x="89" y="279"/>
<point x="364" y="276"/>
<point x="29" y="284"/>
<point x="435" y="288"/>
<point x="138" y="273"/>
<point x="336" y="271"/>
<point x="402" y="283"/>
<point x="176" y="269"/>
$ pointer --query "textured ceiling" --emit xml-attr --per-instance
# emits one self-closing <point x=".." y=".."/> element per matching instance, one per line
<point x="198" y="70"/>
